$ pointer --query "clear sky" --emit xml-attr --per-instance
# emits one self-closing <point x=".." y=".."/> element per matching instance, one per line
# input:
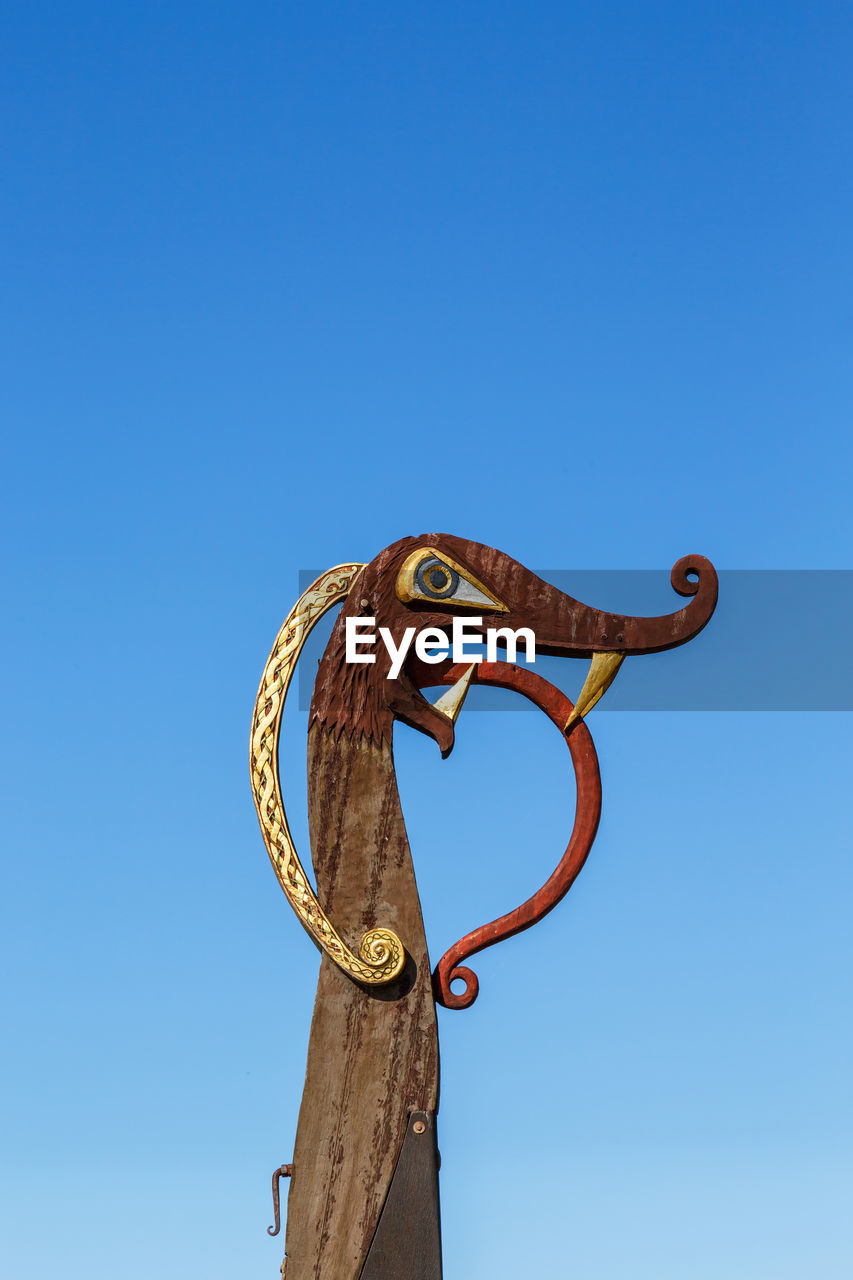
<point x="281" y="284"/>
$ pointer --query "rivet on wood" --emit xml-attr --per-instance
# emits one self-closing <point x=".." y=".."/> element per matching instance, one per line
<point x="419" y="1126"/>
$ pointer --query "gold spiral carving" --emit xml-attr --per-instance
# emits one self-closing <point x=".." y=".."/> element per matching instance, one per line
<point x="381" y="954"/>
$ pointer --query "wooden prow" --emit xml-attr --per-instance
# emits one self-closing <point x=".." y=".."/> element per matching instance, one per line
<point x="373" y="1051"/>
<point x="373" y="1054"/>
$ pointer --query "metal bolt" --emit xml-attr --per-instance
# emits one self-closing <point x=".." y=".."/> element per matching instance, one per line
<point x="419" y="1126"/>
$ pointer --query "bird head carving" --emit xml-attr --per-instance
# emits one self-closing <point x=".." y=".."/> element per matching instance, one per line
<point x="423" y="583"/>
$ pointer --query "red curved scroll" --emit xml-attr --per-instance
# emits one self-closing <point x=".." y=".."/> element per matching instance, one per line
<point x="557" y="707"/>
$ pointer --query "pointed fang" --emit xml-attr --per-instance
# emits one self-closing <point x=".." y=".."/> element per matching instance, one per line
<point x="450" y="703"/>
<point x="599" y="678"/>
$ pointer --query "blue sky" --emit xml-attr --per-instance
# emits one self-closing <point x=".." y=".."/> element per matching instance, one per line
<point x="283" y="283"/>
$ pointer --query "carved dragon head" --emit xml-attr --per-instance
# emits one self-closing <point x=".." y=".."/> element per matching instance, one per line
<point x="420" y="583"/>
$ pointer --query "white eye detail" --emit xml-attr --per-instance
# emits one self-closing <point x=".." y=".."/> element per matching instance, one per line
<point x="429" y="576"/>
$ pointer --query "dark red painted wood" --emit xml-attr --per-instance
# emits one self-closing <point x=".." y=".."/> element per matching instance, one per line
<point x="558" y="708"/>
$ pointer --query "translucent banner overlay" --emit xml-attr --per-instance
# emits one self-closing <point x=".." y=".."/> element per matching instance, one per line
<point x="780" y="640"/>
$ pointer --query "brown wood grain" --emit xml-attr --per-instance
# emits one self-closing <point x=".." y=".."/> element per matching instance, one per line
<point x="372" y="1054"/>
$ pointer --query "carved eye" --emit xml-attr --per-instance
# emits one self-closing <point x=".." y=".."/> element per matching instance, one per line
<point x="430" y="576"/>
<point x="436" y="579"/>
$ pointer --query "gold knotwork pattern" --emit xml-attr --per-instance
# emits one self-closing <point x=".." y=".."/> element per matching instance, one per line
<point x="381" y="954"/>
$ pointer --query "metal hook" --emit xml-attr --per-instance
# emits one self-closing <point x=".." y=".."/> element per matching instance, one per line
<point x="284" y="1172"/>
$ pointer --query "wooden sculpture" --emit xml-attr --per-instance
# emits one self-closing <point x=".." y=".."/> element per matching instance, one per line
<point x="363" y="1200"/>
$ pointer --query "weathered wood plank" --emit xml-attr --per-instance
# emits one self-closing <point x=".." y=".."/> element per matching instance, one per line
<point x="373" y="1054"/>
